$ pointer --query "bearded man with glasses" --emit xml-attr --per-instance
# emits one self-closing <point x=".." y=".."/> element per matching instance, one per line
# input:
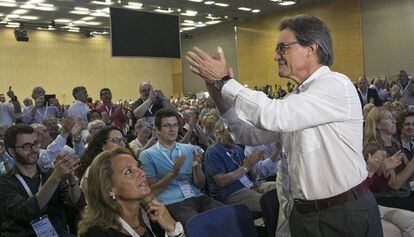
<point x="31" y="196"/>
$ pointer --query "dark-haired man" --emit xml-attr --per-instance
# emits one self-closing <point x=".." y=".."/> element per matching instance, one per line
<point x="79" y="109"/>
<point x="31" y="198"/>
<point x="174" y="171"/>
<point x="321" y="126"/>
<point x="111" y="113"/>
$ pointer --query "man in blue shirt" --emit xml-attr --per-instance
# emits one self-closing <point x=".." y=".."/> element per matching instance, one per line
<point x="174" y="171"/>
<point x="230" y="173"/>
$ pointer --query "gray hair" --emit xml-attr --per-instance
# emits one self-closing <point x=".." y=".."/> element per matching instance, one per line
<point x="311" y="30"/>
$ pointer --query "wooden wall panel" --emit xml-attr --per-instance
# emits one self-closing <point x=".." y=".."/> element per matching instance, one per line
<point x="61" y="61"/>
<point x="257" y="39"/>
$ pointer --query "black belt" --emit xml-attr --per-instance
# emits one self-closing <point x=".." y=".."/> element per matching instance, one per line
<point x="307" y="206"/>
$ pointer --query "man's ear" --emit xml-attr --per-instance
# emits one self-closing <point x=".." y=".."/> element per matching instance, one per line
<point x="313" y="48"/>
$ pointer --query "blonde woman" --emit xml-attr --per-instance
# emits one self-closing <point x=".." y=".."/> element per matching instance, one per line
<point x="380" y="129"/>
<point x="116" y="187"/>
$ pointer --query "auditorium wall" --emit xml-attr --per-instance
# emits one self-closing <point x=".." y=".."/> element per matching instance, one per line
<point x="60" y="61"/>
<point x="388" y="33"/>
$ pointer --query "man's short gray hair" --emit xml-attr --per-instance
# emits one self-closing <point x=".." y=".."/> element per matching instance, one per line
<point x="311" y="30"/>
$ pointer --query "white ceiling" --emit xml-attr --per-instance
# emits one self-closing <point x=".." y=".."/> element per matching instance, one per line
<point x="88" y="14"/>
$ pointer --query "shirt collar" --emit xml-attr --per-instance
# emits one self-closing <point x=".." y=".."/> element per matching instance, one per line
<point x="79" y="102"/>
<point x="166" y="149"/>
<point x="407" y="145"/>
<point x="14" y="170"/>
<point x="305" y="84"/>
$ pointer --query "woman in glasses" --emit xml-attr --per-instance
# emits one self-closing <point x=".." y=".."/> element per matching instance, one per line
<point x="105" y="140"/>
<point x="119" y="200"/>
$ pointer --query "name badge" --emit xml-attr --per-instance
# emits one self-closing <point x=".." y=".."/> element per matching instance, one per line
<point x="43" y="227"/>
<point x="246" y="181"/>
<point x="186" y="189"/>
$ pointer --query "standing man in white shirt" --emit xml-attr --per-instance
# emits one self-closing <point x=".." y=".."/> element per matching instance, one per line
<point x="79" y="109"/>
<point x="321" y="126"/>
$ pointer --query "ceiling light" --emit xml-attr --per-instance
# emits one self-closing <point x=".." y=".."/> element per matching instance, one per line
<point x="287" y="3"/>
<point x="105" y="2"/>
<point x="27" y="6"/>
<point x="74" y="30"/>
<point x="92" y="23"/>
<point x="221" y="4"/>
<point x="99" y="14"/>
<point x="8" y="4"/>
<point x="79" y="12"/>
<point x="200" y="24"/>
<point x="35" y="1"/>
<point x="45" y="7"/>
<point x="20" y="11"/>
<point x="187" y="24"/>
<point x="12" y="16"/>
<point x="189" y="13"/>
<point x="79" y="22"/>
<point x="195" y="0"/>
<point x="62" y="20"/>
<point x="209" y="2"/>
<point x="29" y="17"/>
<point x="13" y="23"/>
<point x="81" y="9"/>
<point x="256" y="10"/>
<point x="188" y="21"/>
<point x="88" y="18"/>
<point x="1" y="14"/>
<point x="160" y="10"/>
<point x="12" y="26"/>
<point x="244" y="9"/>
<point x="188" y="28"/>
<point x="212" y="22"/>
<point x="134" y="5"/>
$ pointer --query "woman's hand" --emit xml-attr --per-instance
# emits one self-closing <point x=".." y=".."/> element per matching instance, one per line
<point x="159" y="213"/>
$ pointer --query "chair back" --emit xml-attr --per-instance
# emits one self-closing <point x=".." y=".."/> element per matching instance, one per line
<point x="230" y="221"/>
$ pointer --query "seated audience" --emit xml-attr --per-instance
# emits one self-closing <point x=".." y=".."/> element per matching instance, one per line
<point x="49" y="149"/>
<point x="117" y="204"/>
<point x="405" y="133"/>
<point x="105" y="140"/>
<point x="366" y="94"/>
<point x="230" y="174"/>
<point x="40" y="110"/>
<point x="380" y="129"/>
<point x="29" y="192"/>
<point x="174" y="172"/>
<point x="145" y="138"/>
<point x="111" y="113"/>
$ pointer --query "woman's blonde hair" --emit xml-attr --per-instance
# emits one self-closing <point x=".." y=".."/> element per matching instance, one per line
<point x="102" y="210"/>
<point x="371" y="132"/>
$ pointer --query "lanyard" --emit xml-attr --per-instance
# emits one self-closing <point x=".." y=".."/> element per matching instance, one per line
<point x="109" y="110"/>
<point x="132" y="232"/>
<point x="239" y="163"/>
<point x="44" y="113"/>
<point x="169" y="159"/>
<point x="127" y="227"/>
<point x="28" y="191"/>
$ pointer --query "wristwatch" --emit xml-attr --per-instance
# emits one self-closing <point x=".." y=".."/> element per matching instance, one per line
<point x="220" y="83"/>
<point x="178" y="230"/>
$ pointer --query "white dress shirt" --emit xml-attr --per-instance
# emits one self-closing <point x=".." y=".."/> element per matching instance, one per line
<point x="79" y="110"/>
<point x="321" y="126"/>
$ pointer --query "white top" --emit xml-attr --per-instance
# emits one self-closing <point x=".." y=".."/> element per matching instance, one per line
<point x="322" y="131"/>
<point x="6" y="114"/>
<point x="79" y="110"/>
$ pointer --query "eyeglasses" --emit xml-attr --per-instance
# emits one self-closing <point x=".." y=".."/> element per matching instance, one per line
<point x="29" y="146"/>
<point x="281" y="47"/>
<point x="117" y="140"/>
<point x="168" y="125"/>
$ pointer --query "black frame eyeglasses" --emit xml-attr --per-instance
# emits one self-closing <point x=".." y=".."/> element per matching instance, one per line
<point x="281" y="47"/>
<point x="29" y="146"/>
